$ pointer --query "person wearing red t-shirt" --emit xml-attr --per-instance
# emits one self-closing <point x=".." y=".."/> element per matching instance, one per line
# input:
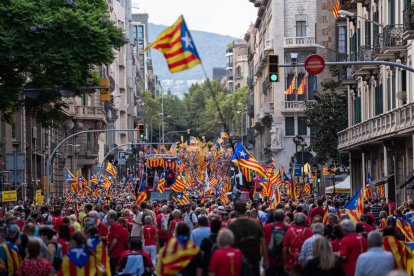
<point x="364" y="221"/>
<point x="337" y="236"/>
<point x="101" y="227"/>
<point x="57" y="219"/>
<point x="318" y="211"/>
<point x="64" y="238"/>
<point x="115" y="240"/>
<point x="135" y="247"/>
<point x="162" y="223"/>
<point x="275" y="253"/>
<point x="226" y="260"/>
<point x="352" y="245"/>
<point x="292" y="244"/>
<point x="150" y="237"/>
<point x="176" y="214"/>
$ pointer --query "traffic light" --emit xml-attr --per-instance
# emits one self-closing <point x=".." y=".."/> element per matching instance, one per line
<point x="318" y="175"/>
<point x="273" y="68"/>
<point x="141" y="133"/>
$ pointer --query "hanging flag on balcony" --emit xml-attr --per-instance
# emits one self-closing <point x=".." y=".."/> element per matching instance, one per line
<point x="302" y="87"/>
<point x="336" y="9"/>
<point x="291" y="89"/>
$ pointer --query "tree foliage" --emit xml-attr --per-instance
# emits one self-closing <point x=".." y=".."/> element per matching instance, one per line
<point x="51" y="44"/>
<point x="326" y="118"/>
<point x="197" y="111"/>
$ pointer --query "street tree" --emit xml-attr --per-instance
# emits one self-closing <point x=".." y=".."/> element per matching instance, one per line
<point x="53" y="45"/>
<point x="326" y="118"/>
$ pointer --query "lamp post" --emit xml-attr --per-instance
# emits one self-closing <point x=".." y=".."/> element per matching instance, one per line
<point x="343" y="13"/>
<point x="74" y="146"/>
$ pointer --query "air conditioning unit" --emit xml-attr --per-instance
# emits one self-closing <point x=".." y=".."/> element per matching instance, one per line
<point x="268" y="45"/>
<point x="268" y="108"/>
<point x="34" y="132"/>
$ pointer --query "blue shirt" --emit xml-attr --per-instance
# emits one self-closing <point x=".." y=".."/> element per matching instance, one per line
<point x="198" y="234"/>
<point x="307" y="248"/>
<point x="376" y="261"/>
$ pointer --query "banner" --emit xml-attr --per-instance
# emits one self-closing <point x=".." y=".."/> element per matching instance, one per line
<point x="7" y="196"/>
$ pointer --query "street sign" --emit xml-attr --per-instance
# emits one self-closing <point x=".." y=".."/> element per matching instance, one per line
<point x="122" y="158"/>
<point x="7" y="196"/>
<point x="314" y="64"/>
<point x="298" y="169"/>
<point x="16" y="162"/>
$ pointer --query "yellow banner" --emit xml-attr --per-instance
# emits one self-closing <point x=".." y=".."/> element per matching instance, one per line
<point x="7" y="196"/>
<point x="105" y="92"/>
<point x="38" y="196"/>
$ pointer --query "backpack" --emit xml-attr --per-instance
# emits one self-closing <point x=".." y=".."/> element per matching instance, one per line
<point x="276" y="241"/>
<point x="296" y="245"/>
<point x="250" y="247"/>
<point x="164" y="223"/>
<point x="58" y="257"/>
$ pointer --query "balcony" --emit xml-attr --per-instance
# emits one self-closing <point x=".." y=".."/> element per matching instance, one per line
<point x="393" y="39"/>
<point x="85" y="112"/>
<point x="390" y="124"/>
<point x="298" y="42"/>
<point x="378" y="45"/>
<point x="295" y="106"/>
<point x="408" y="23"/>
<point x="365" y="53"/>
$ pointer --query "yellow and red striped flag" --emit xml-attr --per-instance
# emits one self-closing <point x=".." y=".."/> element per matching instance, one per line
<point x="381" y="191"/>
<point x="161" y="185"/>
<point x="367" y="192"/>
<point x="111" y="169"/>
<point x="325" y="215"/>
<point x="307" y="188"/>
<point x="179" y="185"/>
<point x="142" y="196"/>
<point x="178" y="47"/>
<point x="403" y="257"/>
<point x="175" y="256"/>
<point x="291" y="89"/>
<point x="302" y="86"/>
<point x="336" y="9"/>
<point x="224" y="135"/>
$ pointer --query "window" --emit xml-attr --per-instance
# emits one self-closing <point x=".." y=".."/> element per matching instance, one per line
<point x="290" y="126"/>
<point x="378" y="100"/>
<point x="300" y="28"/>
<point x="357" y="110"/>
<point x="342" y="40"/>
<point x="312" y="87"/>
<point x="302" y="129"/>
<point x="391" y="12"/>
<point x="140" y="32"/>
<point x="367" y="33"/>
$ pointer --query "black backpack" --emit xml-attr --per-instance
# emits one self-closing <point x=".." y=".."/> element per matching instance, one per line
<point x="250" y="247"/>
<point x="276" y="241"/>
<point x="57" y="259"/>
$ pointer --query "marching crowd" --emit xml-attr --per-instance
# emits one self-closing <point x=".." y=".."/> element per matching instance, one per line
<point x="210" y="238"/>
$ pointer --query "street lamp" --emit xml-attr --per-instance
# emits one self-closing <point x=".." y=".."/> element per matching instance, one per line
<point x="74" y="146"/>
<point x="344" y="13"/>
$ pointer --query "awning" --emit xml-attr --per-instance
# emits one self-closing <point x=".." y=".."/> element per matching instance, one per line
<point x="408" y="180"/>
<point x="383" y="180"/>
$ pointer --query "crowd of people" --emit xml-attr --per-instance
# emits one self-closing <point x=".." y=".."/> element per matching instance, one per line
<point x="210" y="238"/>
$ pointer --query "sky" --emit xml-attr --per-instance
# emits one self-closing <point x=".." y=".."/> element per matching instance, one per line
<point x="226" y="17"/>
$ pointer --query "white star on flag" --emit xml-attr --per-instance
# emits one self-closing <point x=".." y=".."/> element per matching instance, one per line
<point x="187" y="40"/>
<point x="242" y="154"/>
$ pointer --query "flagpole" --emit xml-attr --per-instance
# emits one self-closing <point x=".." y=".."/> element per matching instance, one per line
<point x="217" y="106"/>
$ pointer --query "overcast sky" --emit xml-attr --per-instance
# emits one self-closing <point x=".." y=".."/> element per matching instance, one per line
<point x="226" y="17"/>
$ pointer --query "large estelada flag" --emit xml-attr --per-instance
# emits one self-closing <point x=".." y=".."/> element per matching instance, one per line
<point x="178" y="47"/>
<point x="355" y="206"/>
<point x="243" y="158"/>
<point x="111" y="169"/>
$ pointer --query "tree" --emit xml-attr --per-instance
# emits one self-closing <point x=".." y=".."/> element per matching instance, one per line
<point x="51" y="44"/>
<point x="326" y="118"/>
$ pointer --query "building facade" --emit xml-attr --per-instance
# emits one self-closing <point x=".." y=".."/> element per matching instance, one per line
<point x="27" y="142"/>
<point x="380" y="138"/>
<point x="288" y="29"/>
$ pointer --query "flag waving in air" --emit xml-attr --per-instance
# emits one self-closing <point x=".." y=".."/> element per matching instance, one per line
<point x="178" y="47"/>
<point x="243" y="158"/>
<point x="111" y="169"/>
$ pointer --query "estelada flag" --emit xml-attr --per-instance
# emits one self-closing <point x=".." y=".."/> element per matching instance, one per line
<point x="111" y="169"/>
<point x="178" y="47"/>
<point x="77" y="262"/>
